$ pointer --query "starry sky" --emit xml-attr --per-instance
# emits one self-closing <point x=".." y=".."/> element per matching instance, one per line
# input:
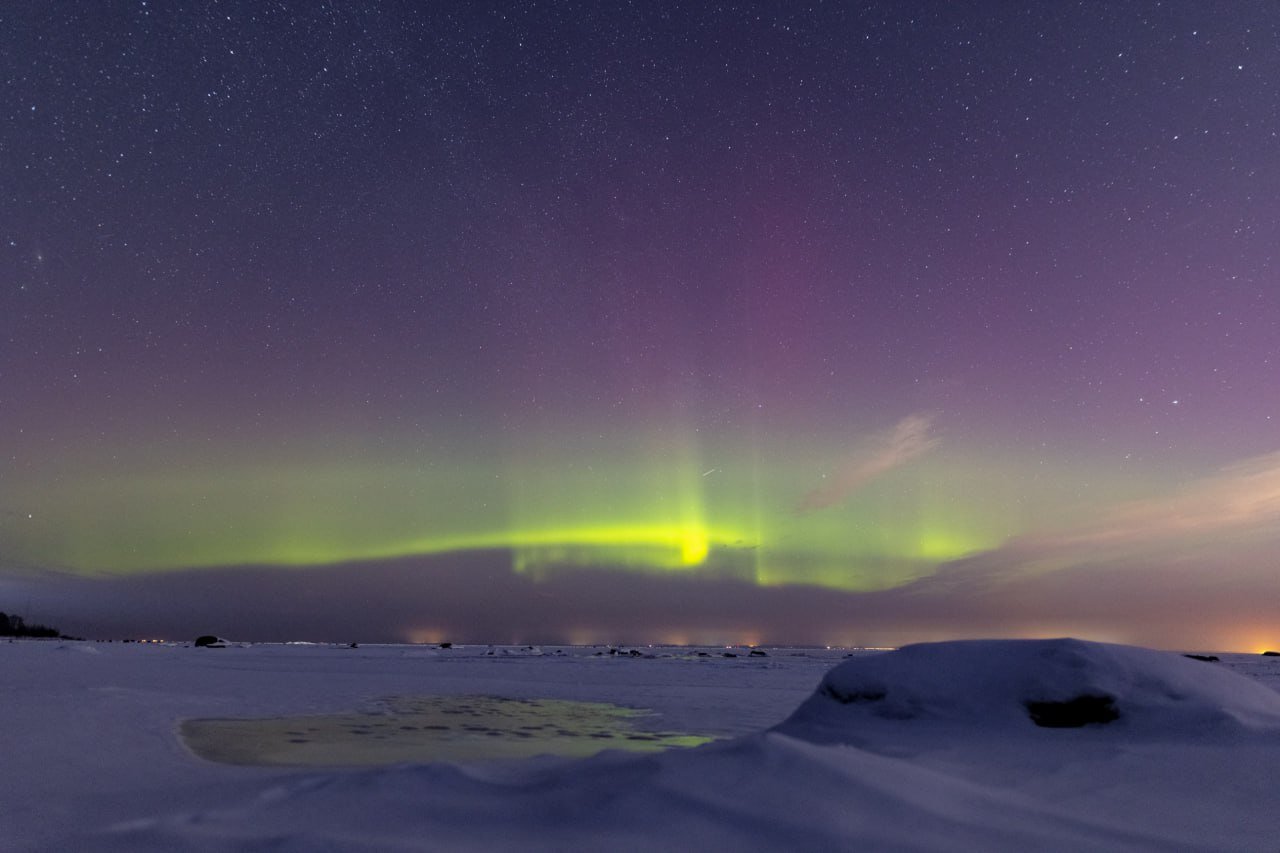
<point x="650" y="322"/>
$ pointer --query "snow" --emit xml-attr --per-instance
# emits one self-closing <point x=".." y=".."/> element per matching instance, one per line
<point x="931" y="747"/>
<point x="986" y="686"/>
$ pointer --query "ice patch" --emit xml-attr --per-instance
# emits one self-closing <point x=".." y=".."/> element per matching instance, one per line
<point x="431" y="728"/>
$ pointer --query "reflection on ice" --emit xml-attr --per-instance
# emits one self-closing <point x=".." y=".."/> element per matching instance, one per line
<point x="432" y="728"/>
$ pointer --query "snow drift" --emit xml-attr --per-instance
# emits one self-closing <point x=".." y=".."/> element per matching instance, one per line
<point x="947" y="746"/>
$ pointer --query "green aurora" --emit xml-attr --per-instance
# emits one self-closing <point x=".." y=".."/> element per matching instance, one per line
<point x="618" y="505"/>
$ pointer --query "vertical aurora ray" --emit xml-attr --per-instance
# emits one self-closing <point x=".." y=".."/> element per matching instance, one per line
<point x="892" y="531"/>
<point x="638" y="504"/>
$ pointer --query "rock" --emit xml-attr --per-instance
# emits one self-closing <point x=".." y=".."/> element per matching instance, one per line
<point x="446" y="645"/>
<point x="1271" y="654"/>
<point x="852" y="697"/>
<point x="757" y="653"/>
<point x="1205" y="658"/>
<point x="1072" y="714"/>
<point x="208" y="641"/>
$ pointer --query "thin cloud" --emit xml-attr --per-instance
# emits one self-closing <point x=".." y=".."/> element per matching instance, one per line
<point x="1220" y="530"/>
<point x="1242" y="496"/>
<point x="909" y="439"/>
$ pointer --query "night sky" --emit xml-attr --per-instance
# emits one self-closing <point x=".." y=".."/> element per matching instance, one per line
<point x="653" y="322"/>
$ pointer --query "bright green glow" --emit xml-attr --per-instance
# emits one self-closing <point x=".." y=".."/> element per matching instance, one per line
<point x="656" y="504"/>
<point x="269" y="528"/>
<point x="657" y="483"/>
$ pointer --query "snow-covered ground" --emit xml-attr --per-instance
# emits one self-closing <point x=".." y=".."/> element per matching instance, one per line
<point x="932" y="747"/>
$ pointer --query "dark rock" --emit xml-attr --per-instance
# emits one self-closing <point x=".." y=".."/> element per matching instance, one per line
<point x="205" y="641"/>
<point x="1271" y="654"/>
<point x="446" y="645"/>
<point x="856" y="698"/>
<point x="757" y="653"/>
<point x="730" y="655"/>
<point x="1205" y="658"/>
<point x="1073" y="713"/>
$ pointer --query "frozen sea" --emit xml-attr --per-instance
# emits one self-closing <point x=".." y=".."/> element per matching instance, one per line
<point x="164" y="747"/>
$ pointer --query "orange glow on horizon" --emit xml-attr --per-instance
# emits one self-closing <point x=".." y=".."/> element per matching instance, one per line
<point x="431" y="636"/>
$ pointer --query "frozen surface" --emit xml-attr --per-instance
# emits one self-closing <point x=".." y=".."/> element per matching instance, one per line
<point x="436" y="728"/>
<point x="933" y="747"/>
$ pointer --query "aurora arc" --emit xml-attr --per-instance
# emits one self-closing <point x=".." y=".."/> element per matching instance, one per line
<point x="632" y="506"/>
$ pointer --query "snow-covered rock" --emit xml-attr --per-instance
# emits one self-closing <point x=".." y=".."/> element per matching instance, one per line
<point x="1009" y="687"/>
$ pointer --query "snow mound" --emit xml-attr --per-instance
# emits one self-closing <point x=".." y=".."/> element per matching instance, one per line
<point x="1033" y="686"/>
<point x="760" y="794"/>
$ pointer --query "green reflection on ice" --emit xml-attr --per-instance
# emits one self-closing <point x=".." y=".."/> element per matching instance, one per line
<point x="435" y="728"/>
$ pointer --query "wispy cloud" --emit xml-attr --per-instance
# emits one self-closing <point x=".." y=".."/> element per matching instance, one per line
<point x="909" y="439"/>
<point x="1239" y="497"/>
<point x="1195" y="567"/>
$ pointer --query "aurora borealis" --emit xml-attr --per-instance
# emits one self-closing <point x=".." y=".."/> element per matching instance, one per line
<point x="856" y="322"/>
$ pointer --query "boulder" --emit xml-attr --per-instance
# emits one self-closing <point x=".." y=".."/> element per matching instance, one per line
<point x="1080" y="711"/>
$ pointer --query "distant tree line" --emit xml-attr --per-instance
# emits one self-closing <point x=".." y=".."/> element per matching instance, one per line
<point x="16" y="626"/>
